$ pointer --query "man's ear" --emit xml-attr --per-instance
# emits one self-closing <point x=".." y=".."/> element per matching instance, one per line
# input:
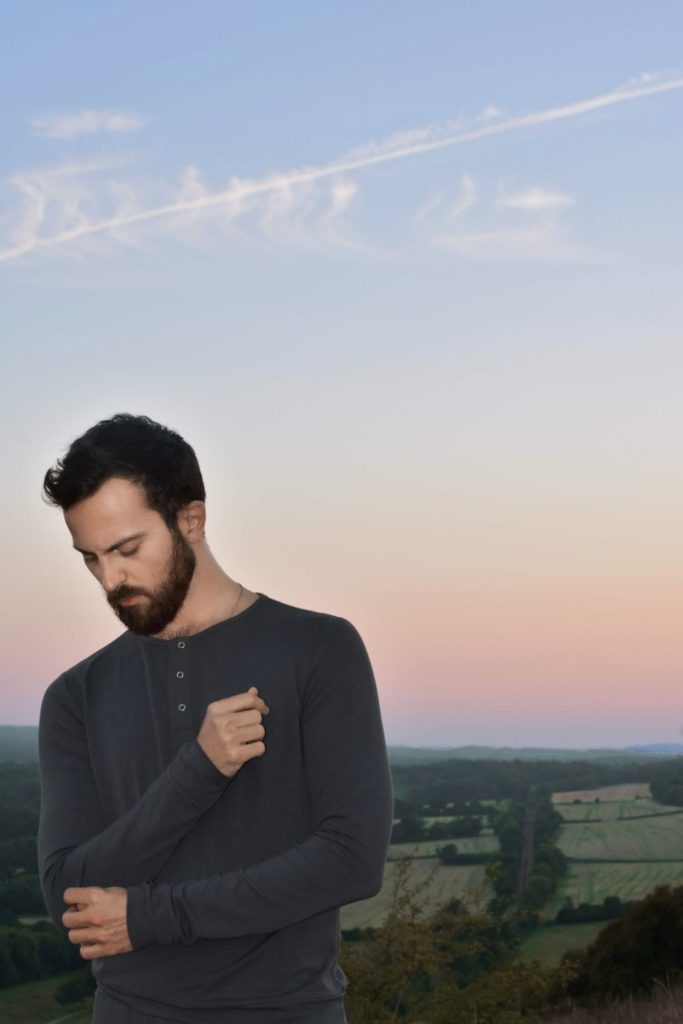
<point x="192" y="520"/>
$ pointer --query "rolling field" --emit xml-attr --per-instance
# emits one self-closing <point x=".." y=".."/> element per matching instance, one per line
<point x="466" y="882"/>
<point x="639" y="840"/>
<point x="591" y="883"/>
<point x="655" y="838"/>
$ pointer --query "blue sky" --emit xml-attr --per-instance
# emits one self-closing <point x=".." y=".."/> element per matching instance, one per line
<point x="408" y="277"/>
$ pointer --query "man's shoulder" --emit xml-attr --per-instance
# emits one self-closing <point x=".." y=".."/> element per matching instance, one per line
<point x="72" y="680"/>
<point x="318" y="628"/>
<point x="311" y="619"/>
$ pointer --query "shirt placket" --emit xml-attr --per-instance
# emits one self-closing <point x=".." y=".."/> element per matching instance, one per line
<point x="181" y="691"/>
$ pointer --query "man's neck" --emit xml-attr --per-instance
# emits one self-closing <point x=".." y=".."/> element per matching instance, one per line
<point x="174" y="631"/>
<point x="213" y="597"/>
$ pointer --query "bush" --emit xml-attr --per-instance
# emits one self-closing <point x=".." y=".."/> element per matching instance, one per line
<point x="75" y="989"/>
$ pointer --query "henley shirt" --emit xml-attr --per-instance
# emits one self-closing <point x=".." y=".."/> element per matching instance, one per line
<point x="234" y="884"/>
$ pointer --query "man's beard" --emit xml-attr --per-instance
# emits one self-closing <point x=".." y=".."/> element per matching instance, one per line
<point x="162" y="604"/>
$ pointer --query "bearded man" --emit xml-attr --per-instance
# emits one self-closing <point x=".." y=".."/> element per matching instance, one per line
<point x="197" y="860"/>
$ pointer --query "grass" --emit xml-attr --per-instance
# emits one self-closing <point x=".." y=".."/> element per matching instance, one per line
<point x="665" y="1007"/>
<point x="34" y="1003"/>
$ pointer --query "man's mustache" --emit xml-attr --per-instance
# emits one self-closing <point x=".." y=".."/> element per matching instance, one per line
<point x="121" y="592"/>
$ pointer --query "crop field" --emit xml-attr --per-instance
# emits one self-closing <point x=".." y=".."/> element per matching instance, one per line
<point x="591" y="883"/>
<point x="625" y="791"/>
<point x="428" y="847"/>
<point x="549" y="942"/>
<point x="656" y="838"/>
<point x="614" y="810"/>
<point x="466" y="882"/>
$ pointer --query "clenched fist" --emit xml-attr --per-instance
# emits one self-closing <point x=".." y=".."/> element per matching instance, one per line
<point x="232" y="732"/>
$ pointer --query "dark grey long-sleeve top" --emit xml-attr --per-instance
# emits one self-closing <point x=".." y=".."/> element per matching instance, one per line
<point x="234" y="885"/>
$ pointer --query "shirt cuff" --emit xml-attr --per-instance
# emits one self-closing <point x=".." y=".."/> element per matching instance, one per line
<point x="149" y="917"/>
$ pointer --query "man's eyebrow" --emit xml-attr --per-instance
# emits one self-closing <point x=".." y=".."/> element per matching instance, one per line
<point x="124" y="540"/>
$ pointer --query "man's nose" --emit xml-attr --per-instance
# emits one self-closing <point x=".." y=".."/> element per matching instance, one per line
<point x="112" y="577"/>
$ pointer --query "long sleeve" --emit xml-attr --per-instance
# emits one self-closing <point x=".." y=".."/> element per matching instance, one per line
<point x="351" y="801"/>
<point x="75" y="845"/>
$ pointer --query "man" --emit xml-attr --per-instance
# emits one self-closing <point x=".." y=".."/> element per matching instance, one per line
<point x="215" y="782"/>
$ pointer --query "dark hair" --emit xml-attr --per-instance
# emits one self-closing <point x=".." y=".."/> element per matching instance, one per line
<point x="133" y="447"/>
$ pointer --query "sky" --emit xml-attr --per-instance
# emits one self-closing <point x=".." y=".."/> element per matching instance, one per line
<point x="408" y="279"/>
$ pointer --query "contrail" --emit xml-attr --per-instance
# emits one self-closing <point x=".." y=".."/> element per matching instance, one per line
<point x="240" y="190"/>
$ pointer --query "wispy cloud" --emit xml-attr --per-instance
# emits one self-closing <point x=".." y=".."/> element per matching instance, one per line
<point x="63" y="201"/>
<point x="536" y="230"/>
<point x="426" y="135"/>
<point x="38" y="233"/>
<point x="536" y="199"/>
<point x="467" y="197"/>
<point x="85" y="122"/>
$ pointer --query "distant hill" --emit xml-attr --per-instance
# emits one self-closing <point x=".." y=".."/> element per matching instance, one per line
<point x="20" y="743"/>
<point x="403" y="754"/>
<point x="658" y="748"/>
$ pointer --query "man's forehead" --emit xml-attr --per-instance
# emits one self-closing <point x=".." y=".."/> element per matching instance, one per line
<point x="116" y="509"/>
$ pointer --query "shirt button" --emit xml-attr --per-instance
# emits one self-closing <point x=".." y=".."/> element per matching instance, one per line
<point x="181" y="643"/>
<point x="181" y="707"/>
<point x="179" y="675"/>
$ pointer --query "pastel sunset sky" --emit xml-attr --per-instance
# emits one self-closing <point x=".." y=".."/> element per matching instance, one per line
<point x="408" y="277"/>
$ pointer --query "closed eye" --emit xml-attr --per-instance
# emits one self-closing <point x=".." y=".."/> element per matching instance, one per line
<point x="124" y="554"/>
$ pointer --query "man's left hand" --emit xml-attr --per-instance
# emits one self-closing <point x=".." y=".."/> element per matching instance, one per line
<point x="98" y="921"/>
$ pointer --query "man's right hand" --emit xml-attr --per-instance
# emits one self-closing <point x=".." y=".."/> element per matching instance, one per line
<point x="232" y="731"/>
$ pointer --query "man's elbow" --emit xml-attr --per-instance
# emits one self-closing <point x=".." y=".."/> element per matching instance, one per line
<point x="367" y="876"/>
<point x="367" y="880"/>
<point x="52" y="889"/>
<point x="373" y="882"/>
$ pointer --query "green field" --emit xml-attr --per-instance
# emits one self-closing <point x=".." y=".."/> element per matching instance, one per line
<point x="659" y="837"/>
<point x="33" y="1003"/>
<point x="551" y="941"/>
<point x="427" y="847"/>
<point x="622" y="791"/>
<point x="639" y="841"/>
<point x="591" y="883"/>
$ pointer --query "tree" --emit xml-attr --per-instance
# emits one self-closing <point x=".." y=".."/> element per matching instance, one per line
<point x="643" y="944"/>
<point x="448" y="854"/>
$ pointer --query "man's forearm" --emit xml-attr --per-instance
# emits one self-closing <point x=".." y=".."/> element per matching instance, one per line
<point x="328" y="869"/>
<point x="71" y="849"/>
